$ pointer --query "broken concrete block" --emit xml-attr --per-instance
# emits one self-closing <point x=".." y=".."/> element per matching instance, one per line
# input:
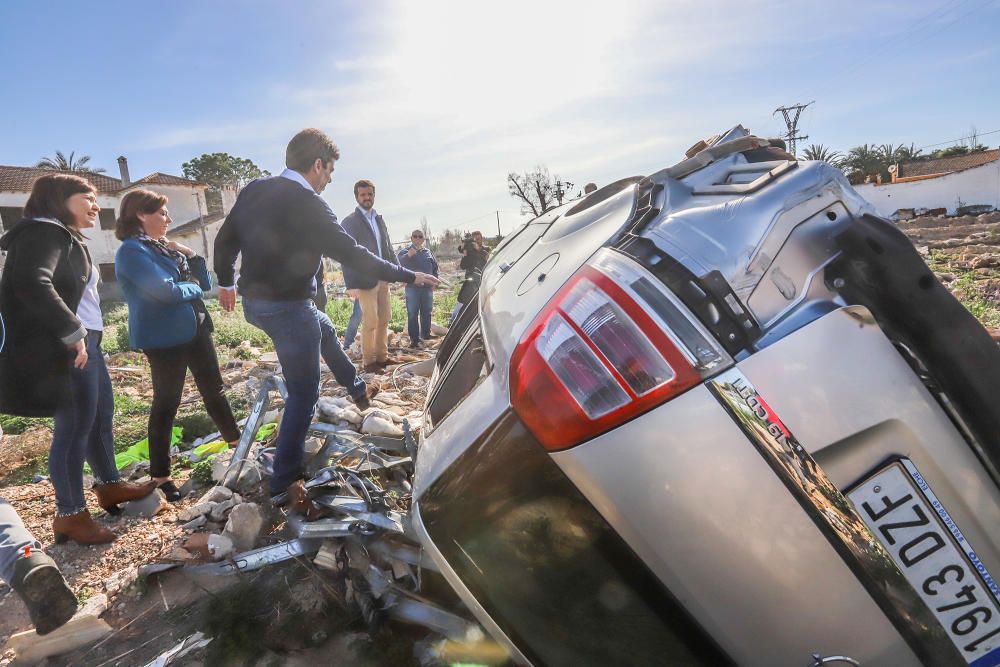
<point x="218" y="512"/>
<point x="203" y="507"/>
<point x="244" y="526"/>
<point x="250" y="477"/>
<point x="220" y="464"/>
<point x="215" y="495"/>
<point x="326" y="557"/>
<point x="80" y="631"/>
<point x="149" y="506"/>
<point x="195" y="523"/>
<point x="313" y="445"/>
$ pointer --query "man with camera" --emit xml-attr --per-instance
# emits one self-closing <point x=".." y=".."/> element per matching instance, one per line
<point x="474" y="258"/>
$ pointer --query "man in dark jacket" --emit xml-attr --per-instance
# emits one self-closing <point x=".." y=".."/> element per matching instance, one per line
<point x="282" y="227"/>
<point x="419" y="300"/>
<point x="369" y="230"/>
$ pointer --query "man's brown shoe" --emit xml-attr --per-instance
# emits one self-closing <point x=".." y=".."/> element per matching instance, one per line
<point x="373" y="367"/>
<point x="363" y="402"/>
<point x="298" y="502"/>
<point x="49" y="600"/>
<point x="109" y="496"/>
<point x="81" y="528"/>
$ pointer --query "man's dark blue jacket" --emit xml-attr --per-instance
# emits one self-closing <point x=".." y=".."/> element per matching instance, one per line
<point x="282" y="229"/>
<point x="422" y="261"/>
<point x="357" y="226"/>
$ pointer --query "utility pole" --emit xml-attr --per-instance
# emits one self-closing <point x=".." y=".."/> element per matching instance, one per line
<point x="791" y="115"/>
<point x="561" y="189"/>
<point x="498" y="225"/>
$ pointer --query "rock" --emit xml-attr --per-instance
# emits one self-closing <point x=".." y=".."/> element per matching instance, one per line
<point x="423" y="368"/>
<point x="216" y="495"/>
<point x="197" y="510"/>
<point x="218" y="512"/>
<point x="268" y="358"/>
<point x="80" y="631"/>
<point x="438" y="330"/>
<point x="271" y="417"/>
<point x="195" y="523"/>
<point x="149" y="506"/>
<point x="390" y="398"/>
<point x="209" y="547"/>
<point x="220" y="464"/>
<point x="244" y="526"/>
<point x="121" y="580"/>
<point x="95" y="606"/>
<point x="180" y="553"/>
<point x="250" y="477"/>
<point x="379" y="423"/>
<point x="313" y="445"/>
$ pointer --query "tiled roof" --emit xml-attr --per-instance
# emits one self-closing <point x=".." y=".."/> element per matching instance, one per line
<point x="157" y="178"/>
<point x="192" y="225"/>
<point x="946" y="165"/>
<point x="20" y="179"/>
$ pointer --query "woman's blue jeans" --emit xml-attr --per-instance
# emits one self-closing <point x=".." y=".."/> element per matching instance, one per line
<point x="83" y="432"/>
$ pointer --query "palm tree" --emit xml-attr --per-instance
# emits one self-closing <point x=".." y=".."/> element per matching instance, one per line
<point x="62" y="163"/>
<point x="865" y="161"/>
<point x="821" y="152"/>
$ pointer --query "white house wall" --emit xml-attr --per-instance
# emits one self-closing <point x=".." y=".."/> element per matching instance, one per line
<point x="980" y="185"/>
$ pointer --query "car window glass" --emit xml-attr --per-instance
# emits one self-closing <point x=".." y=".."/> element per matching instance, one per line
<point x="469" y="367"/>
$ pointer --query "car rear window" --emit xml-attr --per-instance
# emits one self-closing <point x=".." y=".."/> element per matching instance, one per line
<point x="547" y="567"/>
<point x="466" y="368"/>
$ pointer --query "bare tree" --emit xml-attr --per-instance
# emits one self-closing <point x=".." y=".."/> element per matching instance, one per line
<point x="536" y="190"/>
<point x="425" y="227"/>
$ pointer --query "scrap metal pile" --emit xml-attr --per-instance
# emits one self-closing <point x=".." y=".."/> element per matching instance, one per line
<point x="366" y="545"/>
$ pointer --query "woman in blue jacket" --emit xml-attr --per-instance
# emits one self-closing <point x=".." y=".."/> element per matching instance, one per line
<point x="163" y="281"/>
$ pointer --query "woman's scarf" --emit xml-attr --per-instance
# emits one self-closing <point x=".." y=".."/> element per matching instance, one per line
<point x="160" y="246"/>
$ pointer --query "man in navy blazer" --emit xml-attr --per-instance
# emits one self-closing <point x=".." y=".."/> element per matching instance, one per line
<point x="369" y="230"/>
<point x="282" y="227"/>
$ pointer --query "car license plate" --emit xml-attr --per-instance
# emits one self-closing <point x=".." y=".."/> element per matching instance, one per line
<point x="930" y="550"/>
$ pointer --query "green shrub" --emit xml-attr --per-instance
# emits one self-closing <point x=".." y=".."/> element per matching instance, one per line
<point x="114" y="312"/>
<point x="195" y="425"/>
<point x="231" y="330"/>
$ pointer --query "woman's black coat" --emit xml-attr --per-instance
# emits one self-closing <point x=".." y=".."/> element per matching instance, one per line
<point x="44" y="276"/>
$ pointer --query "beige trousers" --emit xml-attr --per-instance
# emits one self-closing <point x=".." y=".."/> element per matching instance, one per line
<point x="375" y="315"/>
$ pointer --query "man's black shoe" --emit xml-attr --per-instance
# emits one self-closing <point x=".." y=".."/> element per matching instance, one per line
<point x="41" y="585"/>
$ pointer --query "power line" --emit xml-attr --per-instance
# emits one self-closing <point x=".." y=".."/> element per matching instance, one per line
<point x="791" y="115"/>
<point x="952" y="141"/>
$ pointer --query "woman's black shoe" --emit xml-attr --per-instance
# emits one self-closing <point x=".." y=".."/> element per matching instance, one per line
<point x="172" y="493"/>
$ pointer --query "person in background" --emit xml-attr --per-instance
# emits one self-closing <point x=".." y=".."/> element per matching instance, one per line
<point x="419" y="300"/>
<point x="33" y="574"/>
<point x="474" y="258"/>
<point x="589" y="187"/>
<point x="369" y="231"/>
<point x="163" y="282"/>
<point x="351" y="332"/>
<point x="282" y="227"/>
<point x="51" y="363"/>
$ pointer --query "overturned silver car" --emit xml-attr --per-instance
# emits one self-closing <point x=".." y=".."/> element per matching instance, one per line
<point x="718" y="414"/>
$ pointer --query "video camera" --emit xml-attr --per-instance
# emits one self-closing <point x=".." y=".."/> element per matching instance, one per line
<point x="468" y="244"/>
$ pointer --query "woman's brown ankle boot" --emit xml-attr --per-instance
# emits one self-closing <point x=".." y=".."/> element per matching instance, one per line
<point x="81" y="528"/>
<point x="110" y="495"/>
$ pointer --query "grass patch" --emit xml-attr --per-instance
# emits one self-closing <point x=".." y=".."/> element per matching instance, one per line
<point x="16" y="425"/>
<point x="967" y="291"/>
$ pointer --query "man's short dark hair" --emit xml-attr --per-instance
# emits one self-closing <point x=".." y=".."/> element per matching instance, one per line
<point x="363" y="183"/>
<point x="308" y="146"/>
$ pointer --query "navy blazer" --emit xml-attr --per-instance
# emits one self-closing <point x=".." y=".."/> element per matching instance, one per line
<point x="358" y="227"/>
<point x="160" y="313"/>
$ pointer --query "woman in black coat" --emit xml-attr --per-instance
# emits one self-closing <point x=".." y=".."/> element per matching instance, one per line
<point x="51" y="363"/>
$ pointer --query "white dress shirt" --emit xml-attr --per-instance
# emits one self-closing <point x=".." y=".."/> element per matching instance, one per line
<point x="371" y="216"/>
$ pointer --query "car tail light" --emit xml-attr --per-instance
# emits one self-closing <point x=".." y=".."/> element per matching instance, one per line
<point x="610" y="345"/>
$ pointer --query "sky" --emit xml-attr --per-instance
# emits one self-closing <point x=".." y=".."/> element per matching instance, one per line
<point x="436" y="102"/>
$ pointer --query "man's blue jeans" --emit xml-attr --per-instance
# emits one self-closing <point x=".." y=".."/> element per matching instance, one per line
<point x="353" y="324"/>
<point x="301" y="334"/>
<point x="82" y="431"/>
<point x="419" y="304"/>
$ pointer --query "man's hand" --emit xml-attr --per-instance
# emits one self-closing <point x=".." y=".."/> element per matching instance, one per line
<point x="227" y="298"/>
<point x="181" y="248"/>
<point x="425" y="279"/>
<point x="354" y="293"/>
<point x="80" y="347"/>
<point x="411" y="252"/>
